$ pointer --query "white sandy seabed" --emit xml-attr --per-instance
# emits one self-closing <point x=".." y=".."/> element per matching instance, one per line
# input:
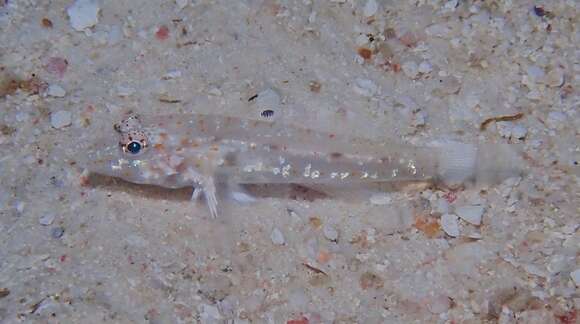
<point x="417" y="71"/>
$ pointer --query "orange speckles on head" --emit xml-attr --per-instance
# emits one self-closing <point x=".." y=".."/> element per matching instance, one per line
<point x="163" y="136"/>
<point x="158" y="146"/>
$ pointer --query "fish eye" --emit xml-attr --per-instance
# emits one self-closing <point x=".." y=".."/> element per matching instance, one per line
<point x="133" y="142"/>
<point x="134" y="147"/>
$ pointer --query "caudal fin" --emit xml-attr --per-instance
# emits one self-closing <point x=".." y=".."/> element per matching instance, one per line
<point x="460" y="163"/>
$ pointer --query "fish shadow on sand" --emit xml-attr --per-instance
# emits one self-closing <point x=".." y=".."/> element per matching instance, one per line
<point x="295" y="192"/>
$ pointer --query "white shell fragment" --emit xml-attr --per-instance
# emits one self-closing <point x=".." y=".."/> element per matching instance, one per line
<point x="425" y="67"/>
<point x="46" y="219"/>
<point x="450" y="225"/>
<point x="181" y="4"/>
<point x="61" y="119"/>
<point x="83" y="14"/>
<point x="277" y="237"/>
<point x="556" y="119"/>
<point x="380" y="199"/>
<point x="519" y="132"/>
<point x="370" y="8"/>
<point x="172" y="74"/>
<point x="575" y="275"/>
<point x="124" y="91"/>
<point x="330" y="233"/>
<point x="268" y="99"/>
<point x="54" y="90"/>
<point x="365" y="87"/>
<point x="410" y="69"/>
<point x="471" y="214"/>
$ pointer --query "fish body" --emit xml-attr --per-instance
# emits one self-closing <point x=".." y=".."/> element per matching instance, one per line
<point x="202" y="151"/>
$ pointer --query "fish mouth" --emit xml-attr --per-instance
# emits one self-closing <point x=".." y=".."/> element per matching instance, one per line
<point x="101" y="154"/>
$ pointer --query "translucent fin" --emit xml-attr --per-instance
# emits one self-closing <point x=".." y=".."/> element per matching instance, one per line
<point x="460" y="163"/>
<point x="457" y="163"/>
<point x="239" y="194"/>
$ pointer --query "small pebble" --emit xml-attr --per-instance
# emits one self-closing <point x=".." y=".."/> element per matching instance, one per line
<point x="555" y="78"/>
<point x="535" y="73"/>
<point x="46" y="23"/>
<point x="365" y="87"/>
<point x="370" y="8"/>
<point x="441" y="206"/>
<point x="575" y="275"/>
<point x="209" y="313"/>
<point x="519" y="132"/>
<point x="181" y="4"/>
<point x="56" y="66"/>
<point x="451" y="5"/>
<point x="450" y="225"/>
<point x="54" y="90"/>
<point x="277" y="237"/>
<point x="504" y="129"/>
<point x="410" y="69"/>
<point x="115" y="35"/>
<point x="539" y="11"/>
<point x="268" y="99"/>
<point x="57" y="232"/>
<point x="419" y="119"/>
<point x="173" y="74"/>
<point x="101" y="37"/>
<point x="380" y="199"/>
<point x="425" y="67"/>
<point x="476" y="235"/>
<point x="556" y="119"/>
<point x="19" y="206"/>
<point x="83" y="14"/>
<point x="216" y="92"/>
<point x="471" y="214"/>
<point x="60" y="119"/>
<point x="330" y="232"/>
<point x="46" y="219"/>
<point x="438" y="304"/>
<point x="123" y="91"/>
<point x="162" y="33"/>
<point x="22" y="116"/>
<point x="511" y="130"/>
<point x="315" y="86"/>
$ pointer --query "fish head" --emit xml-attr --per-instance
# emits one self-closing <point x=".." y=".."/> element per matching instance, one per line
<point x="126" y="153"/>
